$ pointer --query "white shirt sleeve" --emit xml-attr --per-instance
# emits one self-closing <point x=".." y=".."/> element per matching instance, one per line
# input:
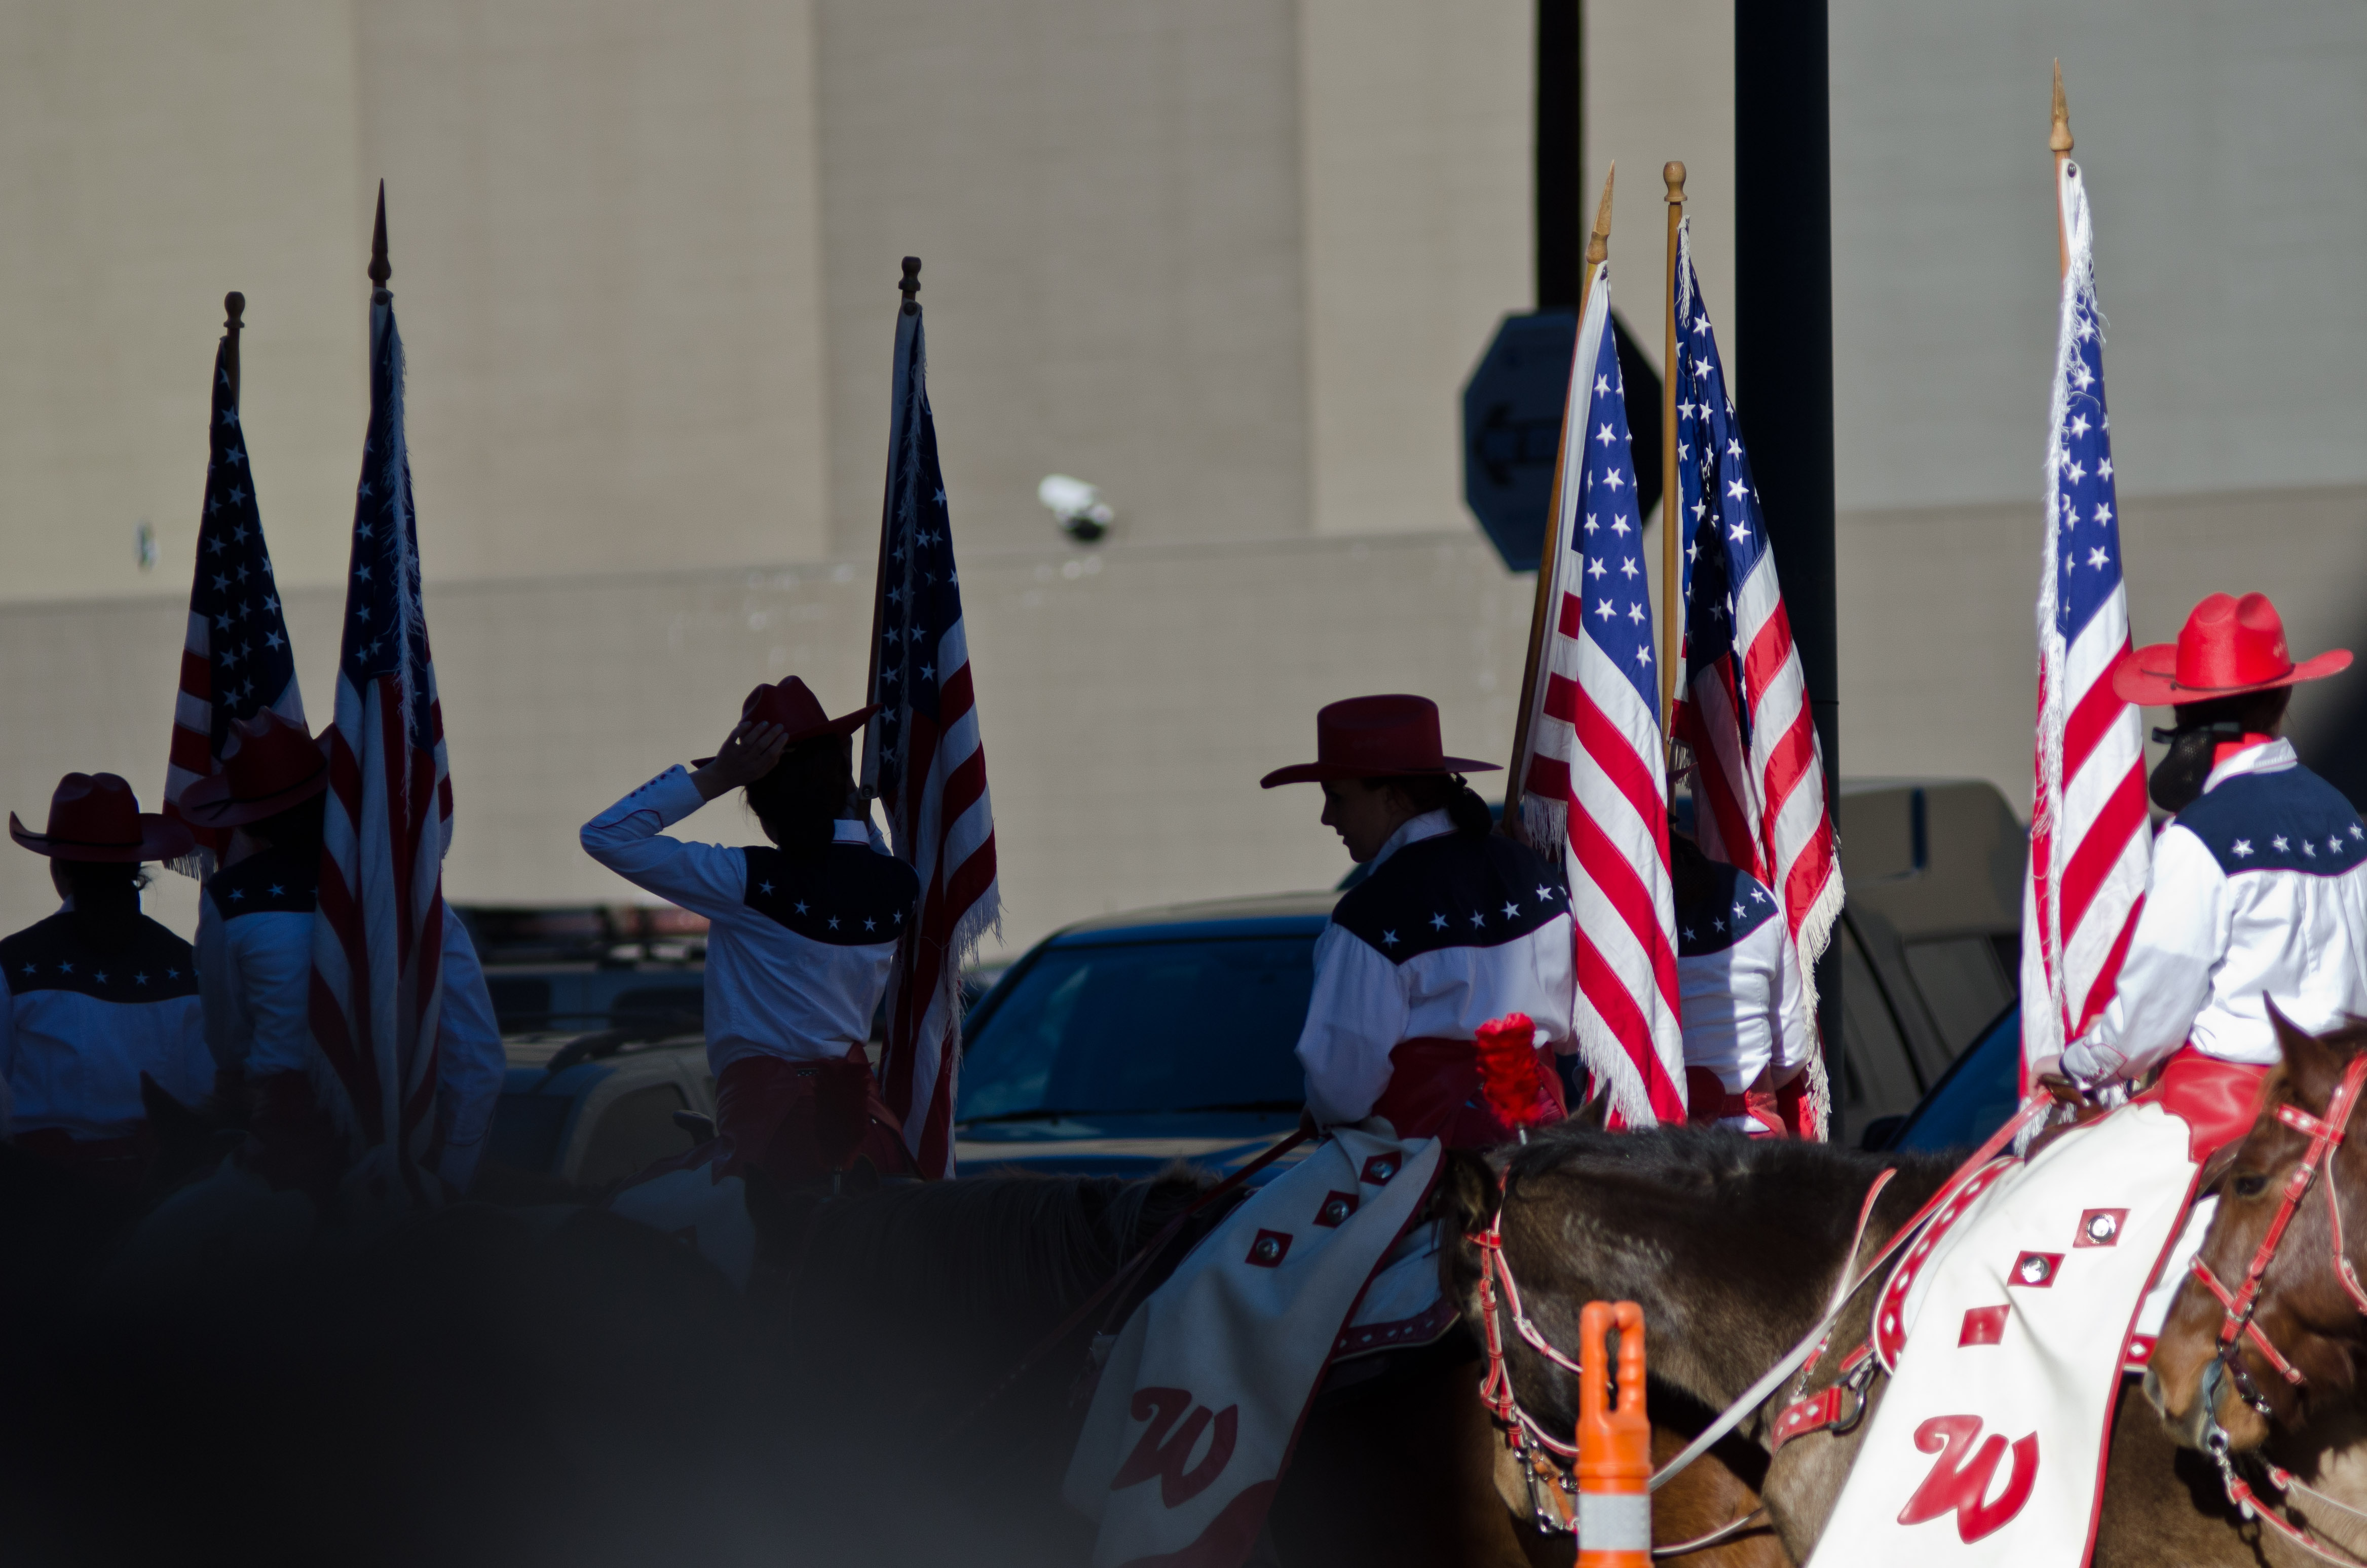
<point x="470" y="1063"/>
<point x="2165" y="980"/>
<point x="629" y="839"/>
<point x="1355" y="1016"/>
<point x="1794" y="1029"/>
<point x="267" y="968"/>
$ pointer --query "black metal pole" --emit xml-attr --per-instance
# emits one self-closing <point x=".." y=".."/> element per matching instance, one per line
<point x="1563" y="204"/>
<point x="1784" y="355"/>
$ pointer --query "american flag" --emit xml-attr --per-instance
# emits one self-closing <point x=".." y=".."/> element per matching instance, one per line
<point x="2090" y="850"/>
<point x="1595" y="782"/>
<point x="922" y="755"/>
<point x="1758" y="776"/>
<point x="378" y="936"/>
<point x="235" y="661"/>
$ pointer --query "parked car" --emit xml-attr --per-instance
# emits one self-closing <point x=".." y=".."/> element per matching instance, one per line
<point x="1974" y="1098"/>
<point x="592" y="1108"/>
<point x="1117" y="1044"/>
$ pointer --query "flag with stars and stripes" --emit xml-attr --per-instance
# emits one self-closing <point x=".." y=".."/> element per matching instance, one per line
<point x="235" y="661"/>
<point x="2090" y="849"/>
<point x="922" y="760"/>
<point x="378" y="931"/>
<point x="1594" y="777"/>
<point x="1743" y="706"/>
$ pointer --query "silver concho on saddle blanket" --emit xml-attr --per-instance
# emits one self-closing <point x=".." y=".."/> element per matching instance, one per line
<point x="2005" y="1329"/>
<point x="1201" y="1398"/>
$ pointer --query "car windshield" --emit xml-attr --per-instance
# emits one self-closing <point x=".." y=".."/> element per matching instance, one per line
<point x="1981" y="1090"/>
<point x="1145" y="1026"/>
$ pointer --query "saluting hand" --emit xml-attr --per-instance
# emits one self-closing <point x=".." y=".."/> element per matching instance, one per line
<point x="748" y="754"/>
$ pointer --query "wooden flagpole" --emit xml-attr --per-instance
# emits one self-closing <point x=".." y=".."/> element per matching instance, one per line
<point x="2060" y="140"/>
<point x="1671" y="519"/>
<point x="1597" y="250"/>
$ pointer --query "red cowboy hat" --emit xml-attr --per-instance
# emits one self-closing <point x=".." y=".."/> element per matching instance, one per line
<point x="1375" y="737"/>
<point x="94" y="816"/>
<point x="268" y="765"/>
<point x="794" y="706"/>
<point x="2227" y="647"/>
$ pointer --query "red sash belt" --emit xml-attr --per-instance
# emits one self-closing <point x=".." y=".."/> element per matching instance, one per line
<point x="1433" y="1092"/>
<point x="800" y="1121"/>
<point x="2217" y="1100"/>
<point x="1707" y="1101"/>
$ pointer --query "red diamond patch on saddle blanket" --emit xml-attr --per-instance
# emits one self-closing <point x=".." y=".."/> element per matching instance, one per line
<point x="2005" y="1335"/>
<point x="1196" y="1409"/>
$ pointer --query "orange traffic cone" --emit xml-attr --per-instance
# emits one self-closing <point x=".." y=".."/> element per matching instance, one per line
<point x="1614" y="1447"/>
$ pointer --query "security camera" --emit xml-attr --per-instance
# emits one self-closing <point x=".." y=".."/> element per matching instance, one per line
<point x="1076" y="507"/>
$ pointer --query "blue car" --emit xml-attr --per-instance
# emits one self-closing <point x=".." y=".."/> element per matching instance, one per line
<point x="1116" y="1046"/>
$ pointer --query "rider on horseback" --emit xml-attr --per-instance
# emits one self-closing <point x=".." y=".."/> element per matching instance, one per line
<point x="98" y="995"/>
<point x="1748" y="1027"/>
<point x="1452" y="925"/>
<point x="800" y="936"/>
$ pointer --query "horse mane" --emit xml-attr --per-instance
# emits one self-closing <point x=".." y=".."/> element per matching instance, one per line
<point x="1010" y="1248"/>
<point x="1723" y="1162"/>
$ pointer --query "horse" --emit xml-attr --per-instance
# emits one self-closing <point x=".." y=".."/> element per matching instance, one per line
<point x="2219" y="1375"/>
<point x="914" y="1302"/>
<point x="1734" y="1248"/>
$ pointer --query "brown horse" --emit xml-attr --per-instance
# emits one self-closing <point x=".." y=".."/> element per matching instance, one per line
<point x="1733" y="1246"/>
<point x="2237" y="1400"/>
<point x="913" y="1303"/>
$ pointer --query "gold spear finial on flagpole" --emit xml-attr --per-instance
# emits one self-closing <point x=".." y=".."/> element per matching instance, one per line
<point x="1597" y="250"/>
<point x="380" y="268"/>
<point x="234" y="306"/>
<point x="1673" y="637"/>
<point x="2059" y="139"/>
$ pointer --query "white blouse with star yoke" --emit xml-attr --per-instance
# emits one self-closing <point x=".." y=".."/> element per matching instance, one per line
<point x="797" y="950"/>
<point x="2257" y="892"/>
<point x="1444" y="933"/>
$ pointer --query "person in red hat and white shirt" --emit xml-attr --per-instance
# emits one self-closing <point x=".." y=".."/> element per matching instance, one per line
<point x="2022" y="1304"/>
<point x="254" y="961"/>
<point x="97" y="994"/>
<point x="1452" y="925"/>
<point x="2258" y="884"/>
<point x="800" y="936"/>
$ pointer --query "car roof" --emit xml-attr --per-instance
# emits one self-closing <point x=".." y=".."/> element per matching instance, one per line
<point x="1274" y="914"/>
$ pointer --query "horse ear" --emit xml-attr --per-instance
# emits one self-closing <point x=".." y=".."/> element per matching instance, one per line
<point x="1595" y="1114"/>
<point x="2313" y="1065"/>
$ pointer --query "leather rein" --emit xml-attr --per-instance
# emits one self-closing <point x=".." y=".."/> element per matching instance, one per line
<point x="2237" y="1323"/>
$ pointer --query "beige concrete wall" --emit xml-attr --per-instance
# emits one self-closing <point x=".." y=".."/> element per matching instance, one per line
<point x="152" y="159"/>
<point x="605" y="221"/>
<point x="1938" y="619"/>
<point x="1107" y="198"/>
<point x="1415" y="127"/>
<point x="1128" y="701"/>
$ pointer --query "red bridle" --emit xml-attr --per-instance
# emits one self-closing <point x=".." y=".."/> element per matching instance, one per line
<point x="2237" y="1306"/>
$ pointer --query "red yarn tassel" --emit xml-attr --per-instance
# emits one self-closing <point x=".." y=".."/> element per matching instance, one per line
<point x="1509" y="1071"/>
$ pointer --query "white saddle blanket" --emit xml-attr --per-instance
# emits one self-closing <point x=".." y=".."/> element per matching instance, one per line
<point x="1202" y="1392"/>
<point x="2006" y="1334"/>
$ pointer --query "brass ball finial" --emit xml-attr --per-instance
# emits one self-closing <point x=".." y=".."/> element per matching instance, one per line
<point x="2060" y="139"/>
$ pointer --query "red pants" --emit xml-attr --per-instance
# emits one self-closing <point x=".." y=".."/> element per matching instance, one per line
<point x="2217" y="1100"/>
<point x="1433" y="1092"/>
<point x="802" y="1122"/>
<point x="1778" y="1113"/>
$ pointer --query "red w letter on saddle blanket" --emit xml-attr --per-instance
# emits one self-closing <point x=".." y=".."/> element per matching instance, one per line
<point x="1163" y="1457"/>
<point x="1962" y="1485"/>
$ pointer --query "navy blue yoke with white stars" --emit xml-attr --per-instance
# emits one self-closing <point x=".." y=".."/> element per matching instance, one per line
<point x="798" y="951"/>
<point x="83" y="1022"/>
<point x="1448" y="932"/>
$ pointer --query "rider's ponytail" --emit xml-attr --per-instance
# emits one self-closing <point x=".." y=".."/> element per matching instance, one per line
<point x="1452" y="794"/>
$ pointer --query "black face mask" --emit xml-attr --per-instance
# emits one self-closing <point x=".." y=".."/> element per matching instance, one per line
<point x="2178" y="779"/>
